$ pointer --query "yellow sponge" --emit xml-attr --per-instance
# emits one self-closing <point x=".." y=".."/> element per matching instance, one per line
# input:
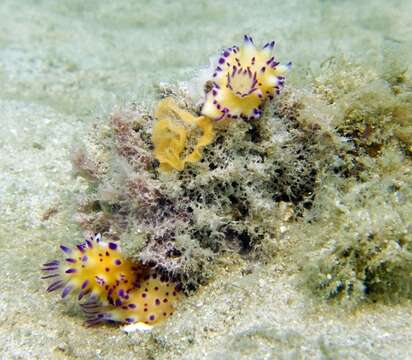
<point x="176" y="136"/>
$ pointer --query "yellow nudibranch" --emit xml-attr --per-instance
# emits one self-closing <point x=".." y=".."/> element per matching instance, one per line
<point x="178" y="136"/>
<point x="244" y="79"/>
<point x="150" y="302"/>
<point x="116" y="289"/>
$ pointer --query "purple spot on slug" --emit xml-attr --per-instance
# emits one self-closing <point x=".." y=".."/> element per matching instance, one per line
<point x="117" y="262"/>
<point x="70" y="271"/>
<point x="49" y="276"/>
<point x="52" y="263"/>
<point x="269" y="45"/>
<point x="65" y="249"/>
<point x="112" y="246"/>
<point x="85" y="283"/>
<point x="83" y="293"/>
<point x="66" y="291"/>
<point x="54" y="286"/>
<point x="99" y="280"/>
<point x="270" y="60"/>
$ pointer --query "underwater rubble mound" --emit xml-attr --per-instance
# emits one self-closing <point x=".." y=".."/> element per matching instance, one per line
<point x="337" y="150"/>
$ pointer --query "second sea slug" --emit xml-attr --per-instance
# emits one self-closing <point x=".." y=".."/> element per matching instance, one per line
<point x="115" y="288"/>
<point x="244" y="79"/>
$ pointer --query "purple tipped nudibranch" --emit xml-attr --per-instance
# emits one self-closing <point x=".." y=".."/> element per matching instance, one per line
<point x="115" y="288"/>
<point x="244" y="79"/>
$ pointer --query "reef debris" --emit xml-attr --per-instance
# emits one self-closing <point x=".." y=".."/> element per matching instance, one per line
<point x="332" y="149"/>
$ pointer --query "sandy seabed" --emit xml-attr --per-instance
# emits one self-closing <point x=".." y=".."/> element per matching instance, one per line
<point x="65" y="64"/>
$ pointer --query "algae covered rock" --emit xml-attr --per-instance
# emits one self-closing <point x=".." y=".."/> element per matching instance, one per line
<point x="336" y="151"/>
<point x="179" y="221"/>
<point x="357" y="236"/>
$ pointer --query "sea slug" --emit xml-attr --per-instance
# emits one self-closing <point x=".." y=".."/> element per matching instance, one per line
<point x="244" y="79"/>
<point x="115" y="288"/>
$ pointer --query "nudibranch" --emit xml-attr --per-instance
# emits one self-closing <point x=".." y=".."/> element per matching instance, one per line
<point x="244" y="79"/>
<point x="94" y="268"/>
<point x="150" y="302"/>
<point x="115" y="288"/>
